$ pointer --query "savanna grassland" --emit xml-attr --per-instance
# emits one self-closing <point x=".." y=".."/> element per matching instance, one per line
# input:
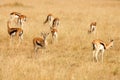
<point x="71" y="57"/>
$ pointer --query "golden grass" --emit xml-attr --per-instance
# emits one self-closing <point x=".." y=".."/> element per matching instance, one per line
<point x="15" y="4"/>
<point x="71" y="57"/>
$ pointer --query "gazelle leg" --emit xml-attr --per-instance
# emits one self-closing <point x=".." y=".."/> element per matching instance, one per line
<point x="56" y="40"/>
<point x="35" y="49"/>
<point x="102" y="54"/>
<point x="11" y="40"/>
<point x="21" y="37"/>
<point x="21" y="23"/>
<point x="53" y="39"/>
<point x="19" y="42"/>
<point x="96" y="55"/>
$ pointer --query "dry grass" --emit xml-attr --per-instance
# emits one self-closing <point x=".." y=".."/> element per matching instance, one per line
<point x="71" y="57"/>
<point x="15" y="4"/>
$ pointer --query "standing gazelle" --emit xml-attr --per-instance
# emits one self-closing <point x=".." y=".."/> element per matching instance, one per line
<point x="54" y="30"/>
<point x="100" y="46"/>
<point x="18" y="18"/>
<point x="92" y="27"/>
<point x="39" y="42"/>
<point x="18" y="32"/>
<point x="49" y="19"/>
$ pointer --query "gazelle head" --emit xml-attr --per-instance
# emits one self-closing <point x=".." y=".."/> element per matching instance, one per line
<point x="56" y="22"/>
<point x="110" y="44"/>
<point x="49" y="19"/>
<point x="23" y="18"/>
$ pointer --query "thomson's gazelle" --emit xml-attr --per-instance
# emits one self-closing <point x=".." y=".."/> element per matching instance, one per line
<point x="49" y="19"/>
<point x="18" y="32"/>
<point x="92" y="27"/>
<point x="18" y="18"/>
<point x="100" y="46"/>
<point x="40" y="42"/>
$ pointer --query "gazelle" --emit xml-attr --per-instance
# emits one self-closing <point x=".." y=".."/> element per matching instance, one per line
<point x="40" y="42"/>
<point x="54" y="33"/>
<point x="18" y="32"/>
<point x="100" y="46"/>
<point x="49" y="19"/>
<point x="18" y="18"/>
<point x="56" y="22"/>
<point x="92" y="27"/>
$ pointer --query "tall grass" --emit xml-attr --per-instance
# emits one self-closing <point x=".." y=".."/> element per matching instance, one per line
<point x="71" y="57"/>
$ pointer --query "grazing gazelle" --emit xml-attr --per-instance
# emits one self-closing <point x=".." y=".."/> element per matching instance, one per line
<point x="39" y="42"/>
<point x="54" y="33"/>
<point x="92" y="27"/>
<point x="49" y="19"/>
<point x="18" y="18"/>
<point x="18" y="32"/>
<point x="100" y="46"/>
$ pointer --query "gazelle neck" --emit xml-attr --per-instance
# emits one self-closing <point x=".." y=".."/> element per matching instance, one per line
<point x="109" y="45"/>
<point x="45" y="42"/>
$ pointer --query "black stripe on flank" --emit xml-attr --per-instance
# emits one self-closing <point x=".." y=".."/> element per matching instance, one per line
<point x="13" y="32"/>
<point x="103" y="45"/>
<point x="93" y="46"/>
<point x="39" y="44"/>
